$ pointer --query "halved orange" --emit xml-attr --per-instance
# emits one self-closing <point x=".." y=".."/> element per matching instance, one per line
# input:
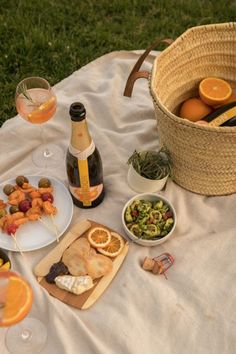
<point x="17" y="300"/>
<point x="214" y="91"/>
<point x="99" y="237"/>
<point x="114" y="247"/>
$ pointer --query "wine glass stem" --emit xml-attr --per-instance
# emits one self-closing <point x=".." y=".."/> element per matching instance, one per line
<point x="26" y="334"/>
<point x="46" y="152"/>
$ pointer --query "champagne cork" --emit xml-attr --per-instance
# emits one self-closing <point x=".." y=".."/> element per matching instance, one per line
<point x="148" y="263"/>
<point x="159" y="264"/>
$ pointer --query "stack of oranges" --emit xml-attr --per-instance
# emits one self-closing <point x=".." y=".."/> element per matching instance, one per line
<point x="213" y="93"/>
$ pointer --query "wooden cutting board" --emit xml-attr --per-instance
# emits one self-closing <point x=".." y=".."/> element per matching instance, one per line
<point x="88" y="298"/>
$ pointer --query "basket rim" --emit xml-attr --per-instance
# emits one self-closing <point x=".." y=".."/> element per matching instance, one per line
<point x="175" y="118"/>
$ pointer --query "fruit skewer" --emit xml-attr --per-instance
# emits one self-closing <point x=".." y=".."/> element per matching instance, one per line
<point x="11" y="231"/>
<point x="27" y="203"/>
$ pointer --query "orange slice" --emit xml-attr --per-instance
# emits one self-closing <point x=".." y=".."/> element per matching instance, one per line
<point x="114" y="247"/>
<point x="99" y="237"/>
<point x="43" y="112"/>
<point x="19" y="298"/>
<point x="214" y="91"/>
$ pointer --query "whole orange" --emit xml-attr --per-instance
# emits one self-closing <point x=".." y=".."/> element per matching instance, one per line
<point x="232" y="98"/>
<point x="194" y="109"/>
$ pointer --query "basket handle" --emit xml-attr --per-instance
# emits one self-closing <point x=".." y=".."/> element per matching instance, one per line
<point x="135" y="73"/>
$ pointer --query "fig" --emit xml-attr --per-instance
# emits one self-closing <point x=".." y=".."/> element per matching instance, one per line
<point x="8" y="189"/>
<point x="20" y="180"/>
<point x="25" y="205"/>
<point x="44" y="183"/>
<point x="13" y="209"/>
<point x="47" y="197"/>
<point x="56" y="269"/>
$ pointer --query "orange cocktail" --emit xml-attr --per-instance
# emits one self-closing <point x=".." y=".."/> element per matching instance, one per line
<point x="36" y="105"/>
<point x="16" y="298"/>
<point x="24" y="334"/>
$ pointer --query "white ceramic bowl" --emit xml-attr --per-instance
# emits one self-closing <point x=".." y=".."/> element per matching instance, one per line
<point x="151" y="197"/>
<point x="141" y="184"/>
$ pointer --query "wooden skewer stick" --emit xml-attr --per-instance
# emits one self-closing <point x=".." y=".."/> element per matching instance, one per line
<point x="46" y="225"/>
<point x="17" y="244"/>
<point x="55" y="227"/>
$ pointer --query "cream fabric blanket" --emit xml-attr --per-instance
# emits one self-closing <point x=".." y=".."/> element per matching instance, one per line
<point x="193" y="311"/>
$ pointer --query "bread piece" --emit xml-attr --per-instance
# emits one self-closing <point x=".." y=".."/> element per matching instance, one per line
<point x="82" y="246"/>
<point x="75" y="263"/>
<point x="98" y="265"/>
<point x="92" y="252"/>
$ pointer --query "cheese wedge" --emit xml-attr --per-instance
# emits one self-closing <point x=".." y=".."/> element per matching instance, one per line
<point x="75" y="285"/>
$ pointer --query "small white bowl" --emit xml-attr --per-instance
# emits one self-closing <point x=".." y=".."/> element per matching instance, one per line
<point x="141" y="184"/>
<point x="151" y="197"/>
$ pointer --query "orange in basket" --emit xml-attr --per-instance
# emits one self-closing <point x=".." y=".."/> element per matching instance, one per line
<point x="194" y="109"/>
<point x="232" y="98"/>
<point x="214" y="91"/>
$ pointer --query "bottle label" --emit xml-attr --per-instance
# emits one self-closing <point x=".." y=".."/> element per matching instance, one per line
<point x="88" y="196"/>
<point x="82" y="155"/>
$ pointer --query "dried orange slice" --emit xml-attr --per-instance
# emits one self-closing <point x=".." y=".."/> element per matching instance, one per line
<point x="99" y="237"/>
<point x="114" y="247"/>
<point x="19" y="298"/>
<point x="214" y="91"/>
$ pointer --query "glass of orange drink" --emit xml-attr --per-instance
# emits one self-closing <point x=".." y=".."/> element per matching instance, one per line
<point x="24" y="335"/>
<point x="37" y="103"/>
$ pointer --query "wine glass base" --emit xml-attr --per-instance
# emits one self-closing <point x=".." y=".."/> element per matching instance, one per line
<point x="29" y="336"/>
<point x="47" y="155"/>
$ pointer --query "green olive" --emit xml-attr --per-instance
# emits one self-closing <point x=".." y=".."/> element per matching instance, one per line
<point x="13" y="209"/>
<point x="3" y="212"/>
<point x="8" y="189"/>
<point x="44" y="183"/>
<point x="20" y="180"/>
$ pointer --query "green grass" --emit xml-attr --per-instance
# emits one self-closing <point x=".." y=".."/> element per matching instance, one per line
<point x="53" y="38"/>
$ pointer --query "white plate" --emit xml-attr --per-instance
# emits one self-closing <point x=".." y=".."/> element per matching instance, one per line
<point x="34" y="234"/>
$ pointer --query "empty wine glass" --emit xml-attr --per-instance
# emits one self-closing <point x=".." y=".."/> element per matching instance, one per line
<point x="37" y="103"/>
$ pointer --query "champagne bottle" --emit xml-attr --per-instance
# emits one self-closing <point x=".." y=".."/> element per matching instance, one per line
<point x="83" y="162"/>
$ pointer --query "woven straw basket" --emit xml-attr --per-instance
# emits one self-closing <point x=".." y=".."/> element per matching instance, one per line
<point x="204" y="158"/>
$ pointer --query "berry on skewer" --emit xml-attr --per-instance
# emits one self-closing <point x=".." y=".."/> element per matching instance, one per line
<point x="11" y="231"/>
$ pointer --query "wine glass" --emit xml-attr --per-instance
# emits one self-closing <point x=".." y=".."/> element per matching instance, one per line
<point x="37" y="103"/>
<point x="24" y="335"/>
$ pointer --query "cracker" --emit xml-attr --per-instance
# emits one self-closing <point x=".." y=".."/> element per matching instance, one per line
<point x="75" y="263"/>
<point x="98" y="265"/>
<point x="92" y="252"/>
<point x="82" y="246"/>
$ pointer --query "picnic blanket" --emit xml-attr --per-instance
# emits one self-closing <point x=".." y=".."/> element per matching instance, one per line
<point x="193" y="310"/>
